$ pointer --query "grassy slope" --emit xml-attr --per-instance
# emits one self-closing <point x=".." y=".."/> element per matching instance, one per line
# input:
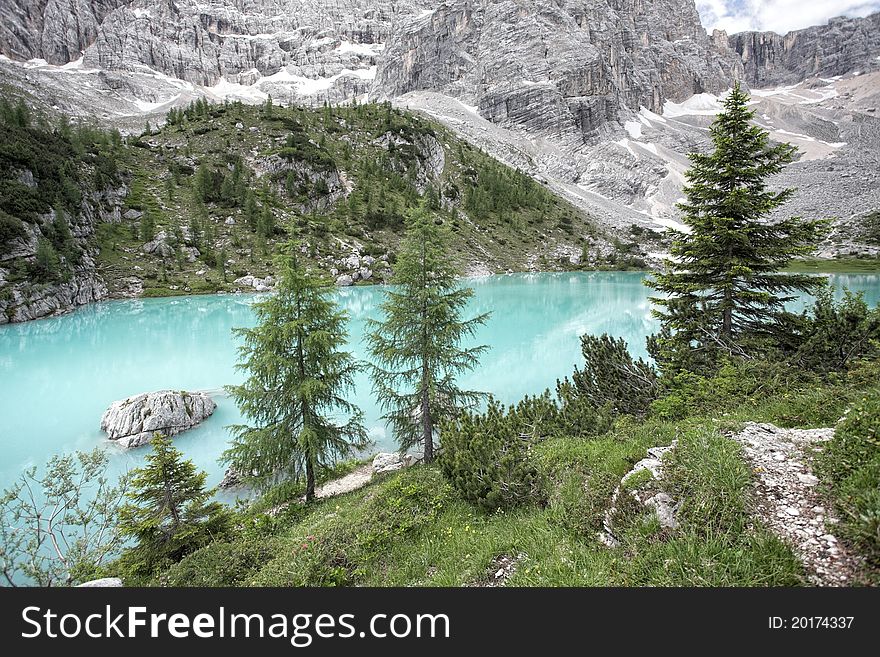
<point x="412" y="529"/>
<point x="499" y="218"/>
<point x="837" y="266"/>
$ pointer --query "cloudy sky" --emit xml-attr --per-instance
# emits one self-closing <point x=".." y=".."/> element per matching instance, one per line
<point x="778" y="15"/>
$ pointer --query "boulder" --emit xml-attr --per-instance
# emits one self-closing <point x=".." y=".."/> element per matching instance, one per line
<point x="104" y="582"/>
<point x="132" y="422"/>
<point x="391" y="462"/>
<point x="231" y="479"/>
<point x="344" y="280"/>
<point x="159" y="246"/>
<point x="365" y="273"/>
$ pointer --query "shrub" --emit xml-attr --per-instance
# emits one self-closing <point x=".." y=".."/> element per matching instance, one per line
<point x="221" y="564"/>
<point x="834" y="334"/>
<point x="611" y="376"/>
<point x="485" y="458"/>
<point x="736" y="383"/>
<point x="47" y="264"/>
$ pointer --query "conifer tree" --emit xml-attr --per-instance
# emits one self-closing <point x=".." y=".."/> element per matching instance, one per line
<point x="266" y="223"/>
<point x="723" y="284"/>
<point x="148" y="226"/>
<point x="298" y="376"/>
<point x="417" y="346"/>
<point x="170" y="512"/>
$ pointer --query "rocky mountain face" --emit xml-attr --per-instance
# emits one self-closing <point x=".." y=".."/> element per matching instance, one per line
<point x="23" y="300"/>
<point x="55" y="30"/>
<point x="561" y="69"/>
<point x="600" y="100"/>
<point x="842" y="46"/>
<point x="287" y="46"/>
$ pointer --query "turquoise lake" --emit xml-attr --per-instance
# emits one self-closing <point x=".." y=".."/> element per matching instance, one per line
<point x="57" y="376"/>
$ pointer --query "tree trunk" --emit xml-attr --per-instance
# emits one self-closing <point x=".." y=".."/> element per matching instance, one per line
<point x="727" y="312"/>
<point x="427" y="425"/>
<point x="727" y="323"/>
<point x="310" y="479"/>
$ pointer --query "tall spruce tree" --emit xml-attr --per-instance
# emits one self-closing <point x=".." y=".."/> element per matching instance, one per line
<point x="298" y="375"/>
<point x="170" y="512"/>
<point x="724" y="284"/>
<point x="417" y="346"/>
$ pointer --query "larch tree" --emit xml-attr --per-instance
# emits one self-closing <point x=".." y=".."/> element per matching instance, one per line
<point x="298" y="377"/>
<point x="724" y="282"/>
<point x="417" y="347"/>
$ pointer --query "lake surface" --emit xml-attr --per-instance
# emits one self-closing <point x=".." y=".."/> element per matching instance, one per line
<point x="57" y="376"/>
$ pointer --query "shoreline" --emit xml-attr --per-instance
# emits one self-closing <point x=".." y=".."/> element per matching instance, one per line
<point x="823" y="266"/>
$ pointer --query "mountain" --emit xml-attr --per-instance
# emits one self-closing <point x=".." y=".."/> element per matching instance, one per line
<point x="842" y="46"/>
<point x="54" y="30"/>
<point x="205" y="202"/>
<point x="597" y="100"/>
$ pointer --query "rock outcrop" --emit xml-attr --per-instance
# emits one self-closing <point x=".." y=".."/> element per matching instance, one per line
<point x="842" y="46"/>
<point x="557" y="69"/>
<point x="132" y="422"/>
<point x="104" y="582"/>
<point x="22" y="301"/>
<point x="647" y="493"/>
<point x="392" y="462"/>
<point x="55" y="30"/>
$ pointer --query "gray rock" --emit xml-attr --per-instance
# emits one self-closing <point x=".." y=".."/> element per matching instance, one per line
<point x="391" y="462"/>
<point x="231" y="479"/>
<point x="602" y="58"/>
<point x="159" y="246"/>
<point x="646" y="494"/>
<point x="132" y="422"/>
<point x="55" y="30"/>
<point x="104" y="582"/>
<point x="839" y="47"/>
<point x="344" y="280"/>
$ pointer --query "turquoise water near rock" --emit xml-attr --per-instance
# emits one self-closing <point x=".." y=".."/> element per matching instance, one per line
<point x="57" y="376"/>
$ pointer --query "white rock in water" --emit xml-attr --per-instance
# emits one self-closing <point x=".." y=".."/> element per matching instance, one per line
<point x="344" y="281"/>
<point x="132" y="422"/>
<point x="104" y="582"/>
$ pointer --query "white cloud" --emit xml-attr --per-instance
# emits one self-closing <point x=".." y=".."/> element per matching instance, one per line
<point x="778" y="15"/>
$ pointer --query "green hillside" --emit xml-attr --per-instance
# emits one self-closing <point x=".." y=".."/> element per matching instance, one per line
<point x="228" y="183"/>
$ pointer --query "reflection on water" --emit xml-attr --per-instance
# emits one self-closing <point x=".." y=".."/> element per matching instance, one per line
<point x="57" y="376"/>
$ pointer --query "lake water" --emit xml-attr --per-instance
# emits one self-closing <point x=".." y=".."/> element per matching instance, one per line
<point x="57" y="376"/>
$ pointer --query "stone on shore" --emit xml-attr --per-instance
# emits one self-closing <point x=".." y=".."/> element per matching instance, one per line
<point x="391" y="462"/>
<point x="104" y="582"/>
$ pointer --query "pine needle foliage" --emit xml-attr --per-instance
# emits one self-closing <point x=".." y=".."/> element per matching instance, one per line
<point x="298" y="377"/>
<point x="724" y="281"/>
<point x="417" y="346"/>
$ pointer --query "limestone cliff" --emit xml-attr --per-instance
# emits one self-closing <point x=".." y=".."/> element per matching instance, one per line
<point x="842" y="46"/>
